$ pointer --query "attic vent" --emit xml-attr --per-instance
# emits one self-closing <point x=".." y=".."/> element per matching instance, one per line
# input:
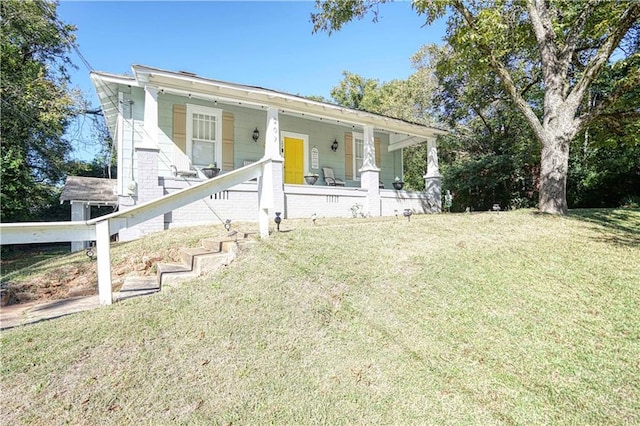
<point x="191" y="74"/>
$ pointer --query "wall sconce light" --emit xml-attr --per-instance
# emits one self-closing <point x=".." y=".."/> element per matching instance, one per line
<point x="334" y="145"/>
<point x="256" y="135"/>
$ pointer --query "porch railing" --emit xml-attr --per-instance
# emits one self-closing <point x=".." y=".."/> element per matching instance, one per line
<point x="101" y="228"/>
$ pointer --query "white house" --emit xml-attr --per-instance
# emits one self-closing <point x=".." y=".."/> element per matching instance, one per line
<point x="170" y="127"/>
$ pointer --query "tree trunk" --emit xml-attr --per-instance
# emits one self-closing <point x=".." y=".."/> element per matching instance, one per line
<point x="554" y="166"/>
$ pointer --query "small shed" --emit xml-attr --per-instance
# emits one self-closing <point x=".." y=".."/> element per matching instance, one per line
<point x="84" y="192"/>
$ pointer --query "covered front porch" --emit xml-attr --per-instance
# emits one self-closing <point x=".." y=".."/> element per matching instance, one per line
<point x="237" y="204"/>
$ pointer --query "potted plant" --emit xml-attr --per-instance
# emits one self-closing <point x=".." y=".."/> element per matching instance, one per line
<point x="398" y="184"/>
<point x="211" y="171"/>
<point x="311" y="178"/>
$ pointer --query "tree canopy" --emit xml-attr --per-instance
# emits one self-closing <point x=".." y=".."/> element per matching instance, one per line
<point x="547" y="58"/>
<point x="37" y="104"/>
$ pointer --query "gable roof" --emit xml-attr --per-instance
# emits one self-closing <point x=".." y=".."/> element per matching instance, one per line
<point x="90" y="190"/>
<point x="401" y="133"/>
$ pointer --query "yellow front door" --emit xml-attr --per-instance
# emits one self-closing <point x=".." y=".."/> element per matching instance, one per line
<point x="293" y="160"/>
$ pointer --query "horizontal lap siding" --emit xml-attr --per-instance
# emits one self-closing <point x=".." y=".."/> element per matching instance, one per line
<point x="321" y="136"/>
<point x="244" y="122"/>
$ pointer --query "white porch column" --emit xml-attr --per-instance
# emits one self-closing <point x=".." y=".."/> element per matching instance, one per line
<point x="370" y="174"/>
<point x="150" y="117"/>
<point x="270" y="185"/>
<point x="80" y="211"/>
<point x="433" y="179"/>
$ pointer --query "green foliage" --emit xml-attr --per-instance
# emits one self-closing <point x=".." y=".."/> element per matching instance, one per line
<point x="410" y="100"/>
<point x="36" y="106"/>
<point x="543" y="57"/>
<point x="334" y="14"/>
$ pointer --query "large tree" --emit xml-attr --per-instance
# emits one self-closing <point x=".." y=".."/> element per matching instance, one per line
<point x="36" y="106"/>
<point x="562" y="46"/>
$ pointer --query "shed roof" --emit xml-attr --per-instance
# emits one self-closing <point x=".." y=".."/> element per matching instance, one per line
<point x="90" y="190"/>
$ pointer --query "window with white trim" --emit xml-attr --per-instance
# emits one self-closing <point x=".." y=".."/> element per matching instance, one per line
<point x="204" y="135"/>
<point x="358" y="154"/>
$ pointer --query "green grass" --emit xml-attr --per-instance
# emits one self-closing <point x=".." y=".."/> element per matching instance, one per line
<point x="21" y="258"/>
<point x="510" y="318"/>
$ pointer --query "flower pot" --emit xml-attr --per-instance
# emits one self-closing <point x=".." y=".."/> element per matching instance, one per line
<point x="311" y="180"/>
<point x="398" y="185"/>
<point x="210" y="172"/>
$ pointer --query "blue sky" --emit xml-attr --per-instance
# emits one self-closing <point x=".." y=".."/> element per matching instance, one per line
<point x="261" y="43"/>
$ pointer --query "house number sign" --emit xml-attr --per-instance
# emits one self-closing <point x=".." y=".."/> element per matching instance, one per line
<point x="315" y="158"/>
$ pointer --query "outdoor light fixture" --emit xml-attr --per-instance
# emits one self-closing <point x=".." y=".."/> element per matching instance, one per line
<point x="277" y="220"/>
<point x="334" y="145"/>
<point x="256" y="135"/>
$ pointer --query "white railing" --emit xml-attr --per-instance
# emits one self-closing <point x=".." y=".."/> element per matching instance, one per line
<point x="100" y="229"/>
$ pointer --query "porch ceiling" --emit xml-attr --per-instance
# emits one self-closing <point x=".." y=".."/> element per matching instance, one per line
<point x="107" y="87"/>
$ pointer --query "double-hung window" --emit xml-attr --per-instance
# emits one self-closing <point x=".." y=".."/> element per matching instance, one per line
<point x="358" y="154"/>
<point x="204" y="135"/>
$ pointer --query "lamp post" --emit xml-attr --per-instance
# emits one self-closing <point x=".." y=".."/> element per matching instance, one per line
<point x="277" y="220"/>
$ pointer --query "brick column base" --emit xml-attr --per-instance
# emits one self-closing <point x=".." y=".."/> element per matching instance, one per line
<point x="148" y="188"/>
<point x="370" y="181"/>
<point x="433" y="190"/>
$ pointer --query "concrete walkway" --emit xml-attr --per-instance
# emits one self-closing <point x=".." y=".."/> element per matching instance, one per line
<point x="29" y="313"/>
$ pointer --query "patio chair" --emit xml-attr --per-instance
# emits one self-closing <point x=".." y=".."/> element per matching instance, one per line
<point x="330" y="179"/>
<point x="181" y="164"/>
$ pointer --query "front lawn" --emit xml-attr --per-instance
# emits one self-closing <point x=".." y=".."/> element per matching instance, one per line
<point x="507" y="318"/>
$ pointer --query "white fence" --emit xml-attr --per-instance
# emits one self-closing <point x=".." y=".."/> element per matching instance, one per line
<point x="100" y="229"/>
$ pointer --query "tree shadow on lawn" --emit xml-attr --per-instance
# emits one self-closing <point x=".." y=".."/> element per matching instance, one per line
<point x="617" y="226"/>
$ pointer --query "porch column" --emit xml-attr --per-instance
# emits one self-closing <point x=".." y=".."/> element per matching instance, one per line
<point x="433" y="179"/>
<point x="270" y="184"/>
<point x="370" y="174"/>
<point x="80" y="211"/>
<point x="150" y="138"/>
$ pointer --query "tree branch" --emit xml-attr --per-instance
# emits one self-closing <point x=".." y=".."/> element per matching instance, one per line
<point x="571" y="42"/>
<point x="545" y="36"/>
<point x="479" y="114"/>
<point x="595" y="65"/>
<point x="505" y="77"/>
<point x="587" y="117"/>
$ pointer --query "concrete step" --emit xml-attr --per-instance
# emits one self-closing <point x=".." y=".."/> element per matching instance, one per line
<point x="138" y="286"/>
<point x="214" y="244"/>
<point x="133" y="283"/>
<point x="187" y="255"/>
<point x="213" y="254"/>
<point x="205" y="263"/>
<point x="173" y="273"/>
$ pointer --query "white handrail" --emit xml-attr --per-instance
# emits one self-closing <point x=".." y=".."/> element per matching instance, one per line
<point x="101" y="228"/>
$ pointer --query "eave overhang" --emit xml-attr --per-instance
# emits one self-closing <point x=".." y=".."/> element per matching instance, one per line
<point x="402" y="133"/>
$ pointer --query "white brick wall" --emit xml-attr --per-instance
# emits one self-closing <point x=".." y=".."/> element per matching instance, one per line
<point x="239" y="204"/>
<point x="303" y="201"/>
<point x="392" y="200"/>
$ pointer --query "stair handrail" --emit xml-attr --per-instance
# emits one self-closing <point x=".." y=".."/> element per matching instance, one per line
<point x="101" y="228"/>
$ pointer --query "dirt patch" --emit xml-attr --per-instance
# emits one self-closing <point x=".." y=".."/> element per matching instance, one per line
<point x="77" y="279"/>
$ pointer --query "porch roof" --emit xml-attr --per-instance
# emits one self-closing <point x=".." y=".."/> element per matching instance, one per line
<point x="401" y="133"/>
